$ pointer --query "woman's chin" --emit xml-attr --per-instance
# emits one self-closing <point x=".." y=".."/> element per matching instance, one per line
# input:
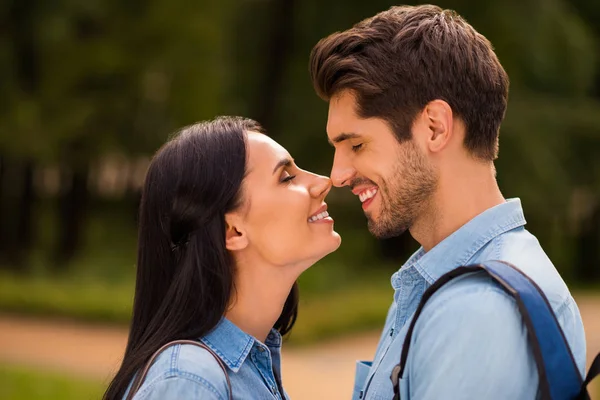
<point x="329" y="245"/>
<point x="318" y="251"/>
<point x="337" y="239"/>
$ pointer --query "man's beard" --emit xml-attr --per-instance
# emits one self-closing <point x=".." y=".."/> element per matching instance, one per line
<point x="405" y="195"/>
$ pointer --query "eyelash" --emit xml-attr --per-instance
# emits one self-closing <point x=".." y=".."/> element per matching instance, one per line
<point x="288" y="179"/>
<point x="357" y="147"/>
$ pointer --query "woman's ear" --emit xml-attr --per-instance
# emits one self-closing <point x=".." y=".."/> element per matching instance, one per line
<point x="235" y="235"/>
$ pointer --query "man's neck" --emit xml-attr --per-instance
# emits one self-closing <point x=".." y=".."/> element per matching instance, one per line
<point x="461" y="196"/>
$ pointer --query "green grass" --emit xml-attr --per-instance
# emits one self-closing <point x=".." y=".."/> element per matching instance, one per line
<point x="326" y="309"/>
<point x="19" y="383"/>
<point x="358" y="307"/>
<point x="333" y="300"/>
<point x="81" y="299"/>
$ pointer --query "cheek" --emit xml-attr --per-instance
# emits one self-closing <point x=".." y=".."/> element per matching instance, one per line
<point x="280" y="207"/>
<point x="278" y="222"/>
<point x="363" y="167"/>
<point x="372" y="164"/>
<point x="371" y="170"/>
<point x="393" y="177"/>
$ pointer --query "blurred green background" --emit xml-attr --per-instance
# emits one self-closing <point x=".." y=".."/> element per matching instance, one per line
<point x="91" y="89"/>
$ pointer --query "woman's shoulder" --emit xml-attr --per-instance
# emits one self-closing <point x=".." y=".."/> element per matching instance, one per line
<point x="184" y="371"/>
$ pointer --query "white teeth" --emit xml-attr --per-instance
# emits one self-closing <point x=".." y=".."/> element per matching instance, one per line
<point x="367" y="194"/>
<point x="319" y="216"/>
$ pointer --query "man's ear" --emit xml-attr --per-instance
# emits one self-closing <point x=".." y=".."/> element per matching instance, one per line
<point x="235" y="235"/>
<point x="439" y="121"/>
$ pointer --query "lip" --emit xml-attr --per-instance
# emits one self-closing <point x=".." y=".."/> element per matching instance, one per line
<point x="327" y="220"/>
<point x="360" y="189"/>
<point x="319" y="211"/>
<point x="367" y="203"/>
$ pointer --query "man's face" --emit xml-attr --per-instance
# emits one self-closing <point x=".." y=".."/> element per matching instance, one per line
<point x="394" y="182"/>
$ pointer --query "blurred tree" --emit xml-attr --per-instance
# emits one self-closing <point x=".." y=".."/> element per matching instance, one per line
<point x="81" y="80"/>
<point x="587" y="259"/>
<point x="277" y="48"/>
<point x="110" y="77"/>
<point x="16" y="183"/>
<point x="262" y="48"/>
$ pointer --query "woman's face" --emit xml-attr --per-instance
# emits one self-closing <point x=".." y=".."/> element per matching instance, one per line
<point x="284" y="215"/>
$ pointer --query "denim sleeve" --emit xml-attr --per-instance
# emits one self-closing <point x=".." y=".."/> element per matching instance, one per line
<point x="470" y="343"/>
<point x="569" y="318"/>
<point x="180" y="387"/>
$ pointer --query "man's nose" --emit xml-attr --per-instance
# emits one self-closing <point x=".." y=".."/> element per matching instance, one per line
<point x="341" y="171"/>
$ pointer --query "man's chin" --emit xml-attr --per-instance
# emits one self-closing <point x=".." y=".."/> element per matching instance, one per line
<point x="385" y="231"/>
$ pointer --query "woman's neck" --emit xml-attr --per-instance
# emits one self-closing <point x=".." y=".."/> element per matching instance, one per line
<point x="259" y="297"/>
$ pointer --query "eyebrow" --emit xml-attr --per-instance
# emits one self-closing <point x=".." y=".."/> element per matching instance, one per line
<point x="343" y="136"/>
<point x="284" y="162"/>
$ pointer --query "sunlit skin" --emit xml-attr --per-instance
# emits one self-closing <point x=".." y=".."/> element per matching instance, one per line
<point x="430" y="184"/>
<point x="275" y="234"/>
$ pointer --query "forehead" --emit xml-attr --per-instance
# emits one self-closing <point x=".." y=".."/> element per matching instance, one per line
<point x="343" y="121"/>
<point x="342" y="115"/>
<point x="263" y="151"/>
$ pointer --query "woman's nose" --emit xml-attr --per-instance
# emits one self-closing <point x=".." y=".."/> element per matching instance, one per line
<point x="320" y="187"/>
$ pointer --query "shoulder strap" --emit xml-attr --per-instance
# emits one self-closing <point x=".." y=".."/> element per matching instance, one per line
<point x="559" y="378"/>
<point x="139" y="379"/>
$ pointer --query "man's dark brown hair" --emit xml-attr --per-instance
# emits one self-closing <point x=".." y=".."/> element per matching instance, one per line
<point x="401" y="59"/>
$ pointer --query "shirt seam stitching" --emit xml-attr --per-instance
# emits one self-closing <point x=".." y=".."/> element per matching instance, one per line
<point x="562" y="306"/>
<point x="174" y="357"/>
<point x="478" y="245"/>
<point x="180" y="374"/>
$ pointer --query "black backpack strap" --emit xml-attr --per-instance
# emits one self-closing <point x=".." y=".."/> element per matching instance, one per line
<point x="559" y="377"/>
<point x="593" y="372"/>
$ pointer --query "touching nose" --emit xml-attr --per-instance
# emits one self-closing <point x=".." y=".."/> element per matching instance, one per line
<point x="341" y="171"/>
<point x="320" y="187"/>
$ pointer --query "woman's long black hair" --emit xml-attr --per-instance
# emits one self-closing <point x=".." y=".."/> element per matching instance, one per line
<point x="185" y="274"/>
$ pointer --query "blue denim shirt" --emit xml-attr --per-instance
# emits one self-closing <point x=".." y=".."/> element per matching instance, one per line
<point x="469" y="342"/>
<point x="189" y="372"/>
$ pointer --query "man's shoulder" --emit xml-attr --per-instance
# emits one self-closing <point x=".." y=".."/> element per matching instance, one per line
<point x="522" y="249"/>
<point x="481" y="319"/>
<point x="479" y="304"/>
<point x="474" y="294"/>
<point x="470" y="317"/>
<point x="469" y="328"/>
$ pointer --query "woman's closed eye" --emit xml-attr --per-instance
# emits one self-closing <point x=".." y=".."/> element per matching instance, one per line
<point x="286" y="177"/>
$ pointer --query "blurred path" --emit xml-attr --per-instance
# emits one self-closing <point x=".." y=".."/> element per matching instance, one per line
<point x="321" y="371"/>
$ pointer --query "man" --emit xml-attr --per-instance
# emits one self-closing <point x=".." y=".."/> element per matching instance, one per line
<point x="416" y="98"/>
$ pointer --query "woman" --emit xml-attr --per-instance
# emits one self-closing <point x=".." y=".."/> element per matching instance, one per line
<point x="227" y="224"/>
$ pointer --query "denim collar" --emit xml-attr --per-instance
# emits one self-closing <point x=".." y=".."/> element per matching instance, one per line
<point x="233" y="345"/>
<point x="458" y="248"/>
